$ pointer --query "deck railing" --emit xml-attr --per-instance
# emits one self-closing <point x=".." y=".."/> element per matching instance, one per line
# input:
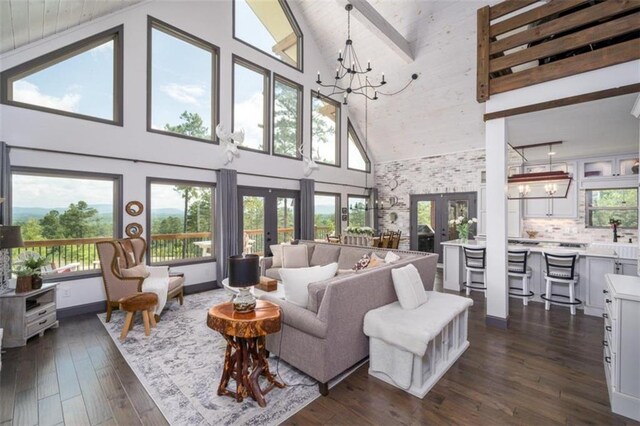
<point x="73" y="255"/>
<point x="526" y="42"/>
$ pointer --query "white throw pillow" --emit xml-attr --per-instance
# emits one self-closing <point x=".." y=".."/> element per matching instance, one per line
<point x="295" y="256"/>
<point x="276" y="249"/>
<point x="409" y="287"/>
<point x="391" y="257"/>
<point x="296" y="281"/>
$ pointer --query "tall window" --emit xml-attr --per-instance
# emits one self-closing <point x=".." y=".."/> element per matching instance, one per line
<point x="357" y="211"/>
<point x="327" y="215"/>
<point x="251" y="104"/>
<point x="81" y="80"/>
<point x="181" y="222"/>
<point x="287" y="117"/>
<point x="325" y="132"/>
<point x="181" y="83"/>
<point x="62" y="216"/>
<point x="604" y="205"/>
<point x="269" y="26"/>
<point x="357" y="158"/>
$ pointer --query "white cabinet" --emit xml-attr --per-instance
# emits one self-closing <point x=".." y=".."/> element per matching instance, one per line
<point x="593" y="280"/>
<point x="621" y="344"/>
<point x="627" y="267"/>
<point x="607" y="172"/>
<point x="514" y="214"/>
<point x="554" y="207"/>
<point x="453" y="266"/>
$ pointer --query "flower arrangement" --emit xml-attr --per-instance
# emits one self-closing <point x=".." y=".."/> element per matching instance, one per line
<point x="462" y="225"/>
<point x="359" y="230"/>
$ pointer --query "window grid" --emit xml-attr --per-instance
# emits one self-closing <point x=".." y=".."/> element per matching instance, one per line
<point x="628" y="214"/>
<point x="266" y="105"/>
<point x="183" y="247"/>
<point x="314" y="96"/>
<point x="8" y="77"/>
<point x="156" y="24"/>
<point x="353" y="136"/>
<point x="278" y="79"/>
<point x="68" y="256"/>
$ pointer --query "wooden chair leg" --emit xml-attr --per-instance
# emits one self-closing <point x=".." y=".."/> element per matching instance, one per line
<point x="181" y="297"/>
<point x="128" y="322"/>
<point x="145" y="318"/>
<point x="109" y="308"/>
<point x="152" y="318"/>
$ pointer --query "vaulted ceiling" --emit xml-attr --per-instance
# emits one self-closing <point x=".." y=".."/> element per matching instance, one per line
<point x="438" y="113"/>
<point x="26" y="21"/>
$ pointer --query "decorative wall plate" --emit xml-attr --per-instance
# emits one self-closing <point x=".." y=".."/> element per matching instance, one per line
<point x="393" y="216"/>
<point x="134" y="208"/>
<point x="133" y="230"/>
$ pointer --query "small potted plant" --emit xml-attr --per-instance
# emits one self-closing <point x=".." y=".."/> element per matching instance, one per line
<point x="29" y="271"/>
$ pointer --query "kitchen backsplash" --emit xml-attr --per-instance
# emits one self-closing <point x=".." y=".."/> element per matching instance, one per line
<point x="575" y="229"/>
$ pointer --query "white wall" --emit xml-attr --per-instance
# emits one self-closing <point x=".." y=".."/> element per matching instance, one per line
<point x="211" y="21"/>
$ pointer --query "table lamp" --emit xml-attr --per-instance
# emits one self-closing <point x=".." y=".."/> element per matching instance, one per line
<point x="244" y="273"/>
<point x="10" y="237"/>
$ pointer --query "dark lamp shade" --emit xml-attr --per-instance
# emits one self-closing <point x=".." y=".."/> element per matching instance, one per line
<point x="10" y="237"/>
<point x="244" y="271"/>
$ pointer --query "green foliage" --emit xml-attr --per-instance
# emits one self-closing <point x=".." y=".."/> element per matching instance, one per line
<point x="51" y="227"/>
<point x="425" y="213"/>
<point x="357" y="217"/>
<point x="607" y="204"/>
<point x="75" y="221"/>
<point x="192" y="125"/>
<point x="286" y="120"/>
<point x="322" y="132"/>
<point x="31" y="230"/>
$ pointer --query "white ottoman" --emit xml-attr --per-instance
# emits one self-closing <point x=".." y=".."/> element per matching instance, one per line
<point x="412" y="349"/>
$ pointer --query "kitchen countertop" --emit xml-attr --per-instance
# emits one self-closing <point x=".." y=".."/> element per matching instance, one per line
<point x="625" y="287"/>
<point x="544" y="246"/>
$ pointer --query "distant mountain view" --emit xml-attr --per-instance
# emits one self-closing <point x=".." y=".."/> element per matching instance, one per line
<point x="22" y="214"/>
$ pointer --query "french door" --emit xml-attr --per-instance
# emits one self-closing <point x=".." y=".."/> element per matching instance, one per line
<point x="430" y="216"/>
<point x="266" y="217"/>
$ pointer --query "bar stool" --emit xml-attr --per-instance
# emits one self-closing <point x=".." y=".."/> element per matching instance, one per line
<point x="475" y="261"/>
<point x="561" y="269"/>
<point x="517" y="268"/>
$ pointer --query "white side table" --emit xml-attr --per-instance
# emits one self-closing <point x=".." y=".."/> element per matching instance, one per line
<point x="279" y="293"/>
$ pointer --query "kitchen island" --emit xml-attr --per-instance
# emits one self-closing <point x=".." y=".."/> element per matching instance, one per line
<point x="595" y="260"/>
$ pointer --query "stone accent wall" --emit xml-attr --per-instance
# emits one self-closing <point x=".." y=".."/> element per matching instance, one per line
<point x="460" y="172"/>
<point x="457" y="172"/>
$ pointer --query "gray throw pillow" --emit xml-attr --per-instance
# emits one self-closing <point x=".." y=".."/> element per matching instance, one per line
<point x="325" y="254"/>
<point x="295" y="256"/>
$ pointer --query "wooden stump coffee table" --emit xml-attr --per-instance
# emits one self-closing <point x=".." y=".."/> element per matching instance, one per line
<point x="245" y="357"/>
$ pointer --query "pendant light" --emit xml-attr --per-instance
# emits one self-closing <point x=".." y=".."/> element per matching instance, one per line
<point x="541" y="185"/>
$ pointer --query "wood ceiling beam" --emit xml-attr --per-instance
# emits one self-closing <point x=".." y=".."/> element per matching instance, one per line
<point x="370" y="18"/>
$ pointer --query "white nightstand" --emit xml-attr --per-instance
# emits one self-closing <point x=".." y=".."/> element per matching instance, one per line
<point x="23" y="315"/>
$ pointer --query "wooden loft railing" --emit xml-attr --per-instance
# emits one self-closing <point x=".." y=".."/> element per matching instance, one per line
<point x="556" y="39"/>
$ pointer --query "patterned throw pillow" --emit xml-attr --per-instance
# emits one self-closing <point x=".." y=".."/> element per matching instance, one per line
<point x="362" y="263"/>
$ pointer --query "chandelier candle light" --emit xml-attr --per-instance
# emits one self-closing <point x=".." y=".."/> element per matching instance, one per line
<point x="350" y="73"/>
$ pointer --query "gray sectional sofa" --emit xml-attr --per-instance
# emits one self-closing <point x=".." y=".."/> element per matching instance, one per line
<point x="326" y="338"/>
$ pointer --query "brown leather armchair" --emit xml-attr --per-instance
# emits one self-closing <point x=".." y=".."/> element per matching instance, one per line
<point x="112" y="258"/>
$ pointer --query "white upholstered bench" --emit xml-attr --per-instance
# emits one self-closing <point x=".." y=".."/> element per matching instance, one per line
<point x="412" y="349"/>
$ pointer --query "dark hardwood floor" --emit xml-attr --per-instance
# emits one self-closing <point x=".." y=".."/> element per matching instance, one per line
<point x="546" y="369"/>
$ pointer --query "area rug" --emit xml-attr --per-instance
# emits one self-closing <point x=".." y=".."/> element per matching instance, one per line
<point x="180" y="366"/>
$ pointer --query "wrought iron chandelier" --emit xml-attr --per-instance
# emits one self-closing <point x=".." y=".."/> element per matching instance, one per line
<point x="350" y="73"/>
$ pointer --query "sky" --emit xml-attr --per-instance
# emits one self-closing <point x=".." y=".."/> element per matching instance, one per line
<point x="248" y="111"/>
<point x="356" y="160"/>
<point x="181" y="80"/>
<point x="81" y="84"/>
<point x="59" y="192"/>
